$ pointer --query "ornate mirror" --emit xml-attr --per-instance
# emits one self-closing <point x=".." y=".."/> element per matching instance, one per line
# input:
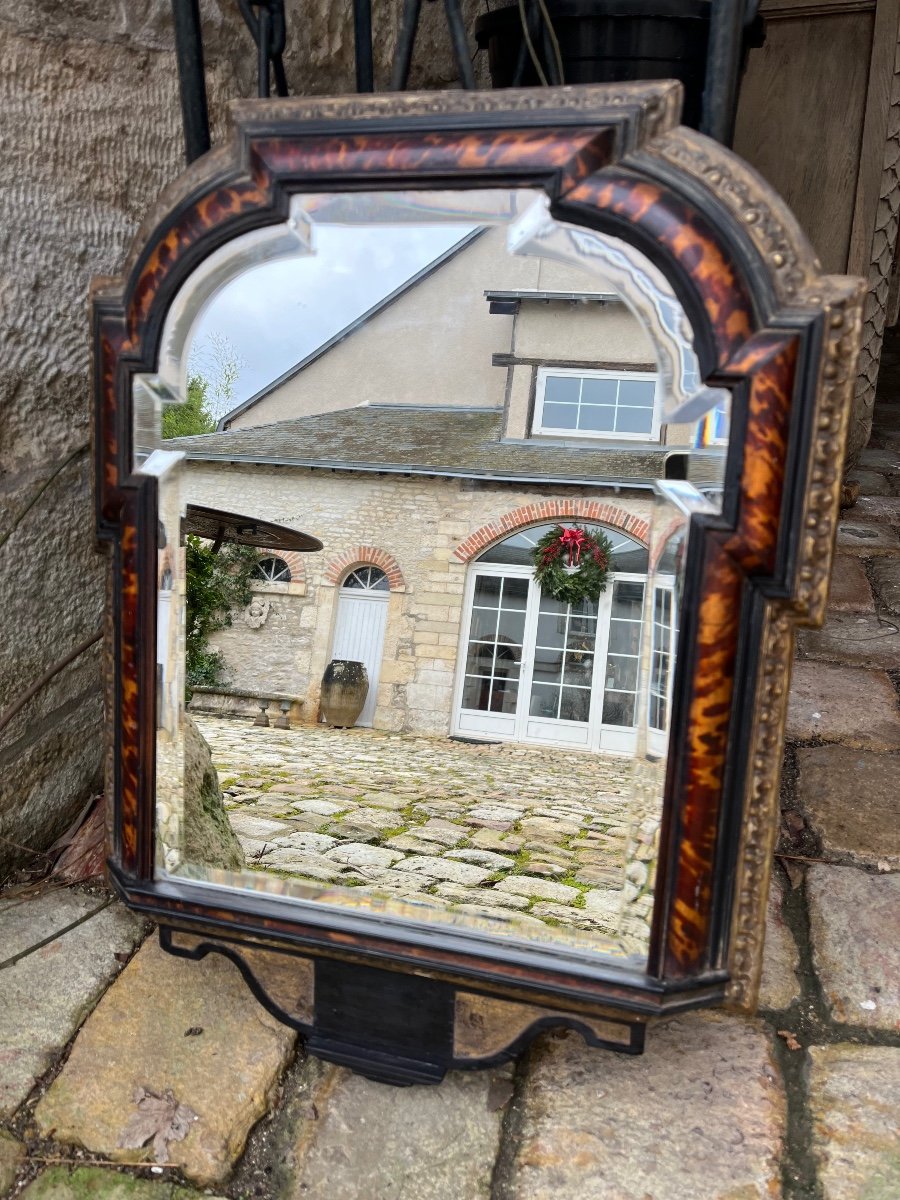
<point x="466" y="463"/>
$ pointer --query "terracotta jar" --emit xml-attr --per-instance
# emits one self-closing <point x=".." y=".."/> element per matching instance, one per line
<point x="345" y="685"/>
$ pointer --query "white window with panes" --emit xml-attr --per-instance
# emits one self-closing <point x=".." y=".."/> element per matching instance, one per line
<point x="616" y="405"/>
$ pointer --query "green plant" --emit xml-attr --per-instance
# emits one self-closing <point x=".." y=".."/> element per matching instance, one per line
<point x="217" y="583"/>
<point x="194" y="416"/>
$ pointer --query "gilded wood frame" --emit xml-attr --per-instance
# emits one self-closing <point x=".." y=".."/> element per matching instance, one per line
<point x="783" y="337"/>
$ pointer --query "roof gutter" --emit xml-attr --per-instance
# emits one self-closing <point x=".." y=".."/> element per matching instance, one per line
<point x="446" y="472"/>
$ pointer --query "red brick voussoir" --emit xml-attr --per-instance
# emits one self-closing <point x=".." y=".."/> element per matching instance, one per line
<point x="371" y="556"/>
<point x="529" y="514"/>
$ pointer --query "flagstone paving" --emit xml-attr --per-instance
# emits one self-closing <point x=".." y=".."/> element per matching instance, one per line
<point x="12" y="1155"/>
<point x="855" y="919"/>
<point x="617" y="1120"/>
<point x="780" y="986"/>
<point x="869" y="833"/>
<point x="403" y="816"/>
<point x="417" y="1144"/>
<point x="855" y="1101"/>
<point x="171" y="1025"/>
<point x="58" y="954"/>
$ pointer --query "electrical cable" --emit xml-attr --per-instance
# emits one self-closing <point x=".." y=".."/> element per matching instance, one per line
<point x="457" y="29"/>
<point x="269" y="31"/>
<point x="547" y="55"/>
<point x="37" y="495"/>
<point x="557" y="53"/>
<point x="516" y="80"/>
<point x="409" y="24"/>
<point x="18" y="705"/>
<point x="528" y="42"/>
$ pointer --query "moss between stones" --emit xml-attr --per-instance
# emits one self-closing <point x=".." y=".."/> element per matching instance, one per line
<point x="12" y="1155"/>
<point x="572" y="880"/>
<point x="97" y="1183"/>
<point x="394" y="831"/>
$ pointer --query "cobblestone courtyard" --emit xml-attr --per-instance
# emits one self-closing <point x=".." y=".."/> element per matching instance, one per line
<point x="508" y="834"/>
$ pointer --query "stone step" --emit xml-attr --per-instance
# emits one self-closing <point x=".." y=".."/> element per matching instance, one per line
<point x="699" y="1117"/>
<point x="855" y="1099"/>
<point x="853" y="925"/>
<point x="372" y="1142"/>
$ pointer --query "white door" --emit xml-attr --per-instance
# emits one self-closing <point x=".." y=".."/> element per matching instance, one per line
<point x="359" y="628"/>
<point x="566" y="644"/>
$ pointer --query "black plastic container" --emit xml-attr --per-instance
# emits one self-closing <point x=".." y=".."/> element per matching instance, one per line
<point x="603" y="41"/>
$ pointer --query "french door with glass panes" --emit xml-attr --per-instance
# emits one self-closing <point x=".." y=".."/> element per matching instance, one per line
<point x="536" y="670"/>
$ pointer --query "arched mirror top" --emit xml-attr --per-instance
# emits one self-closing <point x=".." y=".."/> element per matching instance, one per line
<point x="325" y="235"/>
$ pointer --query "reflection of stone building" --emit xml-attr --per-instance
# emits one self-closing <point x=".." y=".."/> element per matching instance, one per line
<point x="432" y="443"/>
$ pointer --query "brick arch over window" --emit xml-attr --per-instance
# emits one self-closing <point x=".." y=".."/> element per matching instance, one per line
<point x="292" y="558"/>
<point x="369" y="556"/>
<point x="529" y="514"/>
<point x="659" y="543"/>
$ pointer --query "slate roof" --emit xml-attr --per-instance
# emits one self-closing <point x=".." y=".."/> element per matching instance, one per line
<point x="423" y="440"/>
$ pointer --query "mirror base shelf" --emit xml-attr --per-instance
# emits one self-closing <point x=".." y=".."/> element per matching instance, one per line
<point x="380" y="1025"/>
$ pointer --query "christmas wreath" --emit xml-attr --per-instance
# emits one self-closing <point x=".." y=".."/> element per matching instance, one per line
<point x="571" y="564"/>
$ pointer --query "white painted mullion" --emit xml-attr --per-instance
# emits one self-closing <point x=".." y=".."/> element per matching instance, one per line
<point x="526" y="673"/>
<point x="598" y="679"/>
<point x="496" y="570"/>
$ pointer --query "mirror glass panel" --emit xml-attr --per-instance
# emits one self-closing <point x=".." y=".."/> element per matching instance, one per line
<point x="427" y="465"/>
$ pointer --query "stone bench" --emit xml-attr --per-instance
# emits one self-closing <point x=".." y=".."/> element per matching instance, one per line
<point x="233" y="702"/>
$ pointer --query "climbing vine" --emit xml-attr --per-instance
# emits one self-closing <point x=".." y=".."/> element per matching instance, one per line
<point x="217" y="583"/>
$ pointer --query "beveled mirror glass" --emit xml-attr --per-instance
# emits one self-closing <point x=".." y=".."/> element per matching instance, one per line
<point x="435" y="382"/>
<point x="477" y="468"/>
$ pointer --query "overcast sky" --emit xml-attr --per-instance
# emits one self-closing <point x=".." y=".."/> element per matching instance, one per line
<point x="277" y="313"/>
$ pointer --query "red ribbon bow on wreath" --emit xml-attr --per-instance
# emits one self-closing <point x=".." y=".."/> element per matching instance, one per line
<point x="588" y="566"/>
<point x="573" y="540"/>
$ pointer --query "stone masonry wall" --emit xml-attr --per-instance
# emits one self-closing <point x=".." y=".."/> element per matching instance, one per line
<point x="91" y="133"/>
<point x="420" y="523"/>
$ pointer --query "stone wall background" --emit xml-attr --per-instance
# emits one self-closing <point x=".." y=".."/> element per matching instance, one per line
<point x="90" y="129"/>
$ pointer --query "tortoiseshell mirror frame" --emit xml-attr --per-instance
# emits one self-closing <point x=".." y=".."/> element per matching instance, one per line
<point x="395" y="999"/>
